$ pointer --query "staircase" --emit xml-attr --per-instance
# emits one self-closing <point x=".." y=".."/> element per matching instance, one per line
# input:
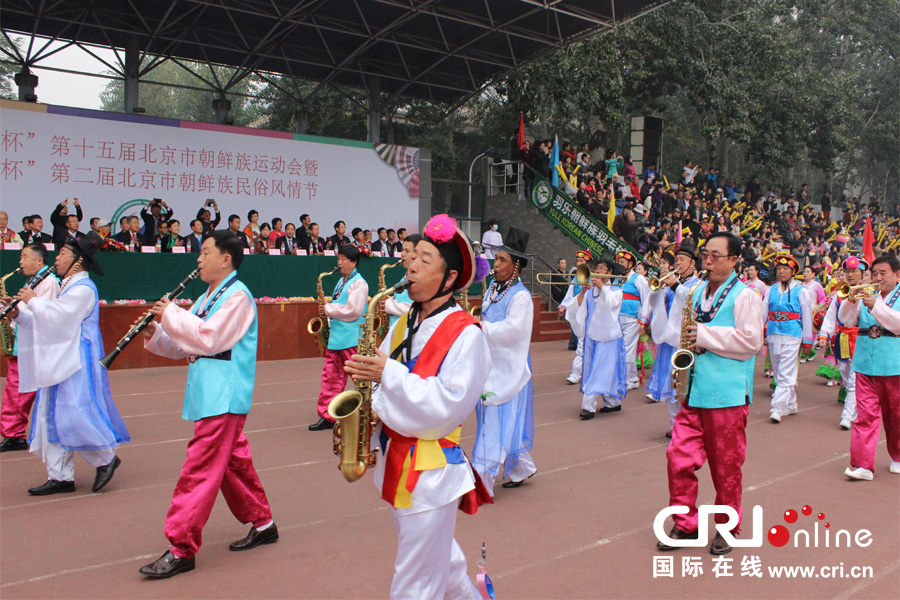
<point x="548" y="327"/>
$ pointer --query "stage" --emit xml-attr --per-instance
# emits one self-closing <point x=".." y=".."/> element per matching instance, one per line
<point x="581" y="528"/>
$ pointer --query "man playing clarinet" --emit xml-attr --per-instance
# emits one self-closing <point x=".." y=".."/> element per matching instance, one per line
<point x="218" y="337"/>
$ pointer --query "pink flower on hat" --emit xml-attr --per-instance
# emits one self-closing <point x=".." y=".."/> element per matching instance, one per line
<point x="441" y="228"/>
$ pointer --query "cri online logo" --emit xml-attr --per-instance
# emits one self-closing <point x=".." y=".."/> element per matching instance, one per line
<point x="778" y="535"/>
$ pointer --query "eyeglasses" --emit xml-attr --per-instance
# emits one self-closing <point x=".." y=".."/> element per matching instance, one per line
<point x="714" y="256"/>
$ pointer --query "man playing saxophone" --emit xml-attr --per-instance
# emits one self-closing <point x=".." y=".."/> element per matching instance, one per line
<point x="345" y="314"/>
<point x="431" y="370"/>
<point x="16" y="405"/>
<point x="712" y="422"/>
<point x="399" y="304"/>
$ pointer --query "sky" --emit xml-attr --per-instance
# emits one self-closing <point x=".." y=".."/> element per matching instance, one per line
<point x="82" y="91"/>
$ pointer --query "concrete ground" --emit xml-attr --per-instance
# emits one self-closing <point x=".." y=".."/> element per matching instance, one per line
<point x="581" y="528"/>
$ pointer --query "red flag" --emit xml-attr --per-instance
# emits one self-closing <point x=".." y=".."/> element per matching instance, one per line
<point x="521" y="139"/>
<point x="868" y="242"/>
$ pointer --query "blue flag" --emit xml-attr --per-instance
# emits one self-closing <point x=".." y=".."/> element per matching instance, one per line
<point x="554" y="160"/>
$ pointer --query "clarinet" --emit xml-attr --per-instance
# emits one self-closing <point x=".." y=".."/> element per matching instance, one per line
<point x="107" y="360"/>
<point x="37" y="279"/>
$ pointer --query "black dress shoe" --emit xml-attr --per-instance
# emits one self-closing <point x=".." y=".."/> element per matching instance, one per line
<point x="53" y="487"/>
<point x="669" y="434"/>
<point x="13" y="443"/>
<point x="586" y="415"/>
<point x="719" y="546"/>
<point x="676" y="534"/>
<point x="609" y="409"/>
<point x="255" y="538"/>
<point x="105" y="473"/>
<point x="167" y="565"/>
<point x="322" y="425"/>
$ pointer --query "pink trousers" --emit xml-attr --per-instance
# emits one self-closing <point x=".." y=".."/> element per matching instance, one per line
<point x="218" y="458"/>
<point x="334" y="378"/>
<point x="877" y="401"/>
<point x="717" y="435"/>
<point x="16" y="406"/>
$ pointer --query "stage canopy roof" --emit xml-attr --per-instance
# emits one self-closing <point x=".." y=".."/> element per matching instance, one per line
<point x="440" y="50"/>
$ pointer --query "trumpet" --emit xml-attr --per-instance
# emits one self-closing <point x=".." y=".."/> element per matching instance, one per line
<point x="657" y="283"/>
<point x="106" y="361"/>
<point x="845" y="291"/>
<point x="582" y="277"/>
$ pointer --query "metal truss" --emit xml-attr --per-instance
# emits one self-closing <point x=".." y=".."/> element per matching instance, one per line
<point x="444" y="51"/>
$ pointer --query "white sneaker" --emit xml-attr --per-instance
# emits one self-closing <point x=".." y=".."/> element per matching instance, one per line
<point x="845" y="424"/>
<point x="634" y="386"/>
<point x="650" y="397"/>
<point x="832" y="383"/>
<point x="895" y="467"/>
<point x="792" y="410"/>
<point x="775" y="416"/>
<point x="859" y="474"/>
<point x="573" y="379"/>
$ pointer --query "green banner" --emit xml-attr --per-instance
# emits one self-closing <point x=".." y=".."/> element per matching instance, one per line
<point x="138" y="276"/>
<point x="584" y="229"/>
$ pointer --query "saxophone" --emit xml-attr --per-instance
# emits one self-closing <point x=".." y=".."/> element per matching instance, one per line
<point x="382" y="323"/>
<point x="6" y="332"/>
<point x="352" y="410"/>
<point x="318" y="326"/>
<point x="683" y="358"/>
<point x="475" y="311"/>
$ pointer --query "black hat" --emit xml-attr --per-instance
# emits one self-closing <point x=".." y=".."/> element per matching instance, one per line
<point x="515" y="244"/>
<point x="688" y="248"/>
<point x="85" y="248"/>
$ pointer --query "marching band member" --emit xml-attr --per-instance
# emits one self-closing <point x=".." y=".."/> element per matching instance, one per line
<point x="876" y="362"/>
<point x="60" y="345"/>
<point x="634" y="298"/>
<point x="506" y="417"/>
<point x="431" y="370"/>
<point x="789" y="323"/>
<point x="581" y="257"/>
<point x="218" y="336"/>
<point x="594" y="316"/>
<point x="666" y="305"/>
<point x="711" y="426"/>
<point x="345" y="314"/>
<point x="399" y="303"/>
<point x="16" y="405"/>
<point x="844" y="340"/>
<point x="753" y="280"/>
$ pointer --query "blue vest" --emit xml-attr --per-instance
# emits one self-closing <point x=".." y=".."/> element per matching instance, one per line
<point x="344" y="334"/>
<point x="720" y="382"/>
<point x="630" y="307"/>
<point x="15" y="351"/>
<point x="222" y="384"/>
<point x="497" y="311"/>
<point x="788" y="303"/>
<point x="399" y="297"/>
<point x="879" y="357"/>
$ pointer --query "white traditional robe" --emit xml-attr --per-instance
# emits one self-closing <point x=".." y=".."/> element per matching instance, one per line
<point x="429" y="562"/>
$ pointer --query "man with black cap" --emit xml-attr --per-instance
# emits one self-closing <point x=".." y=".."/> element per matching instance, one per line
<point x="635" y="293"/>
<point x="431" y="369"/>
<point x="506" y="419"/>
<point x="666" y="311"/>
<point x="594" y="316"/>
<point x="788" y="319"/>
<point x="60" y="346"/>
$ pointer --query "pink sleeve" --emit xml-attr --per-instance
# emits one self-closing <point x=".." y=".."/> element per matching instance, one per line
<point x="218" y="333"/>
<point x="356" y="303"/>
<point x="163" y="345"/>
<point x="743" y="340"/>
<point x="821" y="298"/>
<point x="886" y="316"/>
<point x="47" y="289"/>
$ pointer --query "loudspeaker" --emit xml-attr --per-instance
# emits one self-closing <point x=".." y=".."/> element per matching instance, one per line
<point x="646" y="141"/>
